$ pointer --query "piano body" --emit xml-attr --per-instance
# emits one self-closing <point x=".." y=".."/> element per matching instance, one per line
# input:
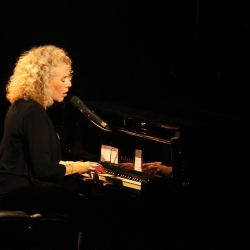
<point x="167" y="143"/>
<point x="158" y="211"/>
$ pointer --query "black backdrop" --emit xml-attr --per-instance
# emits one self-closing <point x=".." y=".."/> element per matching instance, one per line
<point x="147" y="54"/>
<point x="155" y="55"/>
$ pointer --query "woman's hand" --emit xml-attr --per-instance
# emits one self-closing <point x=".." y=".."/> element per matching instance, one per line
<point x="80" y="167"/>
<point x="95" y="167"/>
<point x="87" y="166"/>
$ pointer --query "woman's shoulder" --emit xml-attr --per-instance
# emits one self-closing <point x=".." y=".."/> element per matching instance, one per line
<point x="24" y="108"/>
<point x="24" y="112"/>
<point x="27" y="105"/>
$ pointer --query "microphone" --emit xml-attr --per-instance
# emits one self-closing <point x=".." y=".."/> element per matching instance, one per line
<point x="94" y="118"/>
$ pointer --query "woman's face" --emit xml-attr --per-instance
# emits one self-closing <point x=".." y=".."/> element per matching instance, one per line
<point x="60" y="82"/>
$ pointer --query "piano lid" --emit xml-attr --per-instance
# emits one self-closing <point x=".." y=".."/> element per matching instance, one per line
<point x="170" y="118"/>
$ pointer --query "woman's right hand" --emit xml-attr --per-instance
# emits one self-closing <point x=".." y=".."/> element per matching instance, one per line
<point x="80" y="167"/>
<point x="88" y="166"/>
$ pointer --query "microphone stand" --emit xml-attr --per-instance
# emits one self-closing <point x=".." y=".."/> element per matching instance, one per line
<point x="108" y="130"/>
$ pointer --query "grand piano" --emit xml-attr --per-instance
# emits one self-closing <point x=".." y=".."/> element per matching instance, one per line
<point x="142" y="139"/>
<point x="181" y="209"/>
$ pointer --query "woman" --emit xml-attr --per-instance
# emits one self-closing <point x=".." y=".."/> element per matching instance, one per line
<point x="30" y="169"/>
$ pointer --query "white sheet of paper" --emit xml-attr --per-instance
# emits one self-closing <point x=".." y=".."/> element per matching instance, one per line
<point x="105" y="153"/>
<point x="138" y="160"/>
<point x="109" y="154"/>
<point x="114" y="155"/>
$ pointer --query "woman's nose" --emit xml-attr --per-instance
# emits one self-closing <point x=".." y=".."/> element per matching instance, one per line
<point x="68" y="83"/>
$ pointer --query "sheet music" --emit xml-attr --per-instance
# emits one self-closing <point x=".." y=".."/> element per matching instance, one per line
<point x="138" y="160"/>
<point x="109" y="154"/>
<point x="114" y="155"/>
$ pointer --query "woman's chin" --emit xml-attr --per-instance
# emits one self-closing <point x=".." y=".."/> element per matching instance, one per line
<point x="58" y="99"/>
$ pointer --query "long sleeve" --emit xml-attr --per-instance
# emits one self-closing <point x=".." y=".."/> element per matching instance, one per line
<point x="30" y="148"/>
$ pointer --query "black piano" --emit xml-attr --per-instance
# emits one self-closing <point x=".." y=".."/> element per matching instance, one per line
<point x="181" y="145"/>
<point x="207" y="151"/>
<point x="160" y="211"/>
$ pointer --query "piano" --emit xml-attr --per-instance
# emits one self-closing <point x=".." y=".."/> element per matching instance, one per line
<point x="207" y="159"/>
<point x="164" y="142"/>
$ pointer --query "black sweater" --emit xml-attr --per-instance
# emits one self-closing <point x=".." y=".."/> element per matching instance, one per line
<point x="30" y="148"/>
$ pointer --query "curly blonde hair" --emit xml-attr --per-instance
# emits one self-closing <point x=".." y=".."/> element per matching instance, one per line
<point x="33" y="72"/>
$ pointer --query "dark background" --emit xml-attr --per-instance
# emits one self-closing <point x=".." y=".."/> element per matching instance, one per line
<point x="187" y="57"/>
<point x="154" y="55"/>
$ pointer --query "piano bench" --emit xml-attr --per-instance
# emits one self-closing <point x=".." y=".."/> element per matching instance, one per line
<point x="19" y="230"/>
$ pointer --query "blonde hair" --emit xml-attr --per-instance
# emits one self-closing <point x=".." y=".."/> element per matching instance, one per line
<point x="33" y="72"/>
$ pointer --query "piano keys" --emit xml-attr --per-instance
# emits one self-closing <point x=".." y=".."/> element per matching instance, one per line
<point x="129" y="179"/>
<point x="135" y="184"/>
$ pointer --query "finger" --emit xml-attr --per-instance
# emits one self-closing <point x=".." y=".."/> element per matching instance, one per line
<point x="101" y="170"/>
<point x="96" y="164"/>
<point x="98" y="169"/>
<point x="157" y="163"/>
<point x="97" y="172"/>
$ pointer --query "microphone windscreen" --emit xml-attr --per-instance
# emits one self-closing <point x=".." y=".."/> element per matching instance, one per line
<point x="76" y="101"/>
